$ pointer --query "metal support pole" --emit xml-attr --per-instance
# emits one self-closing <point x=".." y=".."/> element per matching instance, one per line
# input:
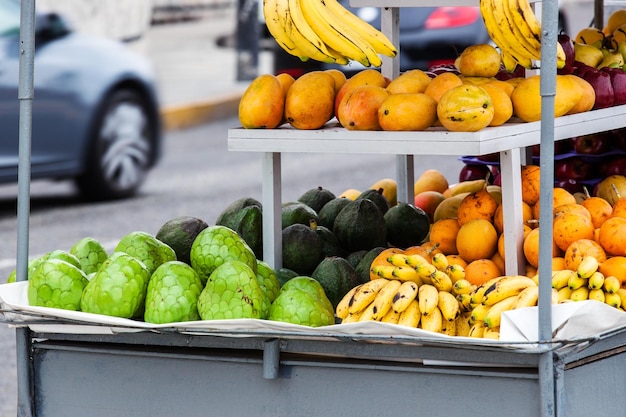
<point x="549" y="26"/>
<point x="271" y="358"/>
<point x="25" y="96"/>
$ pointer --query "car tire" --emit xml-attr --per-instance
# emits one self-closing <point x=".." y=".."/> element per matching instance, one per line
<point x="121" y="148"/>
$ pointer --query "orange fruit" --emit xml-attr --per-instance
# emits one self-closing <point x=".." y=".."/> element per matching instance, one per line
<point x="531" y="248"/>
<point x="569" y="227"/>
<point x="442" y="83"/>
<point x="456" y="260"/>
<point x="501" y="249"/>
<point x="560" y="197"/>
<point x="477" y="205"/>
<point x="530" y="184"/>
<point x="598" y="208"/>
<point x="480" y="271"/>
<point x="443" y="232"/>
<point x="426" y="250"/>
<point x="581" y="248"/>
<point x="572" y="208"/>
<point x="558" y="263"/>
<point x="614" y="266"/>
<point x="619" y="208"/>
<point x="499" y="260"/>
<point x="612" y="236"/>
<point x="477" y="239"/>
<point x="498" y="217"/>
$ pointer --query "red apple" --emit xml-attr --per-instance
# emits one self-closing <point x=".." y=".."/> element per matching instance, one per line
<point x="568" y="48"/>
<point x="570" y="185"/>
<point x="490" y="157"/>
<point x="593" y="144"/>
<point x="613" y="166"/>
<point x="572" y="168"/>
<point x="618" y="82"/>
<point x="601" y="83"/>
<point x="471" y="172"/>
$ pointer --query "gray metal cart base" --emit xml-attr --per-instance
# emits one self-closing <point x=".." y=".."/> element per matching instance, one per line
<point x="175" y="374"/>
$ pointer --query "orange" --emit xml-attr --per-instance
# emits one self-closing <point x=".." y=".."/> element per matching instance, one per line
<point x="572" y="208"/>
<point x="612" y="236"/>
<point x="456" y="260"/>
<point x="498" y="218"/>
<point x="569" y="227"/>
<point x="558" y="263"/>
<point x="531" y="248"/>
<point x="614" y="266"/>
<point x="477" y="239"/>
<point x="598" y="208"/>
<point x="501" y="249"/>
<point x="477" y="205"/>
<point x="619" y="208"/>
<point x="530" y="184"/>
<point x="444" y="233"/>
<point x="581" y="248"/>
<point x="499" y="260"/>
<point x="480" y="271"/>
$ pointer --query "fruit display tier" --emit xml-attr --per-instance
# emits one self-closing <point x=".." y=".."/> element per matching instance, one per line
<point x="434" y="141"/>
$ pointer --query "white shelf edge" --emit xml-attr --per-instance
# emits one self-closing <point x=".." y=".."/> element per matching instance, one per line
<point x="333" y="139"/>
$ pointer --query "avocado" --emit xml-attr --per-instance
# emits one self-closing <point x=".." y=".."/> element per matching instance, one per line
<point x="248" y="224"/>
<point x="302" y="248"/>
<point x="330" y="244"/>
<point x="363" y="267"/>
<point x="225" y="217"/>
<point x="360" y="225"/>
<point x="179" y="234"/>
<point x="316" y="198"/>
<point x="296" y="212"/>
<point x="285" y="274"/>
<point x="377" y="198"/>
<point x="337" y="277"/>
<point x="354" y="258"/>
<point x="329" y="212"/>
<point x="407" y="225"/>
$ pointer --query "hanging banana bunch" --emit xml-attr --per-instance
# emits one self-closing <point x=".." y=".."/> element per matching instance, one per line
<point x="325" y="31"/>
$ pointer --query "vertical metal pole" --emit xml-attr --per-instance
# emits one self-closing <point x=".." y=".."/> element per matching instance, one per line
<point x="25" y="96"/>
<point x="549" y="26"/>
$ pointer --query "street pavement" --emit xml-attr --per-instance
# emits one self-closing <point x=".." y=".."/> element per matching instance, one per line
<point x="197" y="78"/>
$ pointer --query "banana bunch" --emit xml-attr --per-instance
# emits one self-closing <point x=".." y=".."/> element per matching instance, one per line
<point x="413" y="292"/>
<point x="514" y="28"/>
<point x="588" y="283"/>
<point x="325" y="31"/>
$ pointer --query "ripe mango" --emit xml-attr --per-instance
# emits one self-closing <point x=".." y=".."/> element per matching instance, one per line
<point x="527" y="98"/>
<point x="310" y="99"/>
<point x="262" y="104"/>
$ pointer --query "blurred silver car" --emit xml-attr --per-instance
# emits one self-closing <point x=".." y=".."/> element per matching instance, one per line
<point x="95" y="109"/>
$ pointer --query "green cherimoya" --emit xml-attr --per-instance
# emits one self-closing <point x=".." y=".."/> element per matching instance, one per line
<point x="147" y="248"/>
<point x="118" y="288"/>
<point x="298" y="306"/>
<point x="270" y="285"/>
<point x="90" y="253"/>
<point x="231" y="292"/>
<point x="216" y="245"/>
<point x="172" y="294"/>
<point x="33" y="264"/>
<point x="58" y="284"/>
<point x="311" y="286"/>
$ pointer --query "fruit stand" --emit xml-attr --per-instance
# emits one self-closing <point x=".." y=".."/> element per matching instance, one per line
<point x="70" y="366"/>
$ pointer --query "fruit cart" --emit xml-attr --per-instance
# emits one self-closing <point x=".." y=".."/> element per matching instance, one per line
<point x="68" y="366"/>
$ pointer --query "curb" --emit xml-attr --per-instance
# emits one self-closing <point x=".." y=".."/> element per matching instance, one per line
<point x="195" y="113"/>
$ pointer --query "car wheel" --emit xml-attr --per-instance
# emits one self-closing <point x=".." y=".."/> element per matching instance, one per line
<point x="121" y="148"/>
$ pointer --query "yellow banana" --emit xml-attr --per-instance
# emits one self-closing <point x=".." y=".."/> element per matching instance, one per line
<point x="397" y="259"/>
<point x="464" y="301"/>
<point x="479" y="293"/>
<point x="528" y="297"/>
<point x="441" y="281"/>
<point x="561" y="278"/>
<point x="384" y="298"/>
<point x="580" y="294"/>
<point x="489" y="333"/>
<point x="587" y="266"/>
<point x="341" y="311"/>
<point x="597" y="294"/>
<point x="511" y="32"/>
<point x="427" y="298"/>
<point x="383" y="271"/>
<point x="576" y="282"/>
<point x="614" y="299"/>
<point x="368" y="313"/>
<point x="535" y="28"/>
<point x="432" y="322"/>
<point x="448" y="327"/>
<point x="351" y="318"/>
<point x="564" y="294"/>
<point x="478" y="313"/>
<point x="440" y="261"/>
<point x="338" y="35"/>
<point x="611" y="284"/>
<point x="462" y="324"/>
<point x="494" y="315"/>
<point x="505" y="287"/>
<point x="622" y="296"/>
<point x="311" y="37"/>
<point x="462" y="286"/>
<point x="404" y="296"/>
<point x="373" y="36"/>
<point x="415" y="260"/>
<point x="365" y="294"/>
<point x="521" y="30"/>
<point x="411" y="315"/>
<point x="508" y="61"/>
<point x="406" y="273"/>
<point x="456" y="272"/>
<point x="555" y="296"/>
<point x="448" y="305"/>
<point x="277" y="20"/>
<point x="596" y="281"/>
<point x="391" y="317"/>
<point x="477" y="330"/>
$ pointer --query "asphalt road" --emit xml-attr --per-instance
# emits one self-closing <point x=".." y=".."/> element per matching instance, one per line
<point x="197" y="177"/>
